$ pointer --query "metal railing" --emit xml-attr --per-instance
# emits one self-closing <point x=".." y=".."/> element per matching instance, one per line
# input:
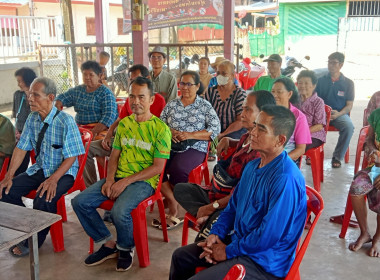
<point x="21" y="35"/>
<point x="62" y="62"/>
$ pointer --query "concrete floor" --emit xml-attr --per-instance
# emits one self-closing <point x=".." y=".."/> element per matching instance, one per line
<point x="327" y="256"/>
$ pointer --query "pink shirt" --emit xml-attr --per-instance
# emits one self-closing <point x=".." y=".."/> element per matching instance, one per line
<point x="301" y="134"/>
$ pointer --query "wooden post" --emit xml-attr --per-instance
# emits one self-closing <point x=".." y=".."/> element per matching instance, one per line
<point x="67" y="16"/>
<point x="140" y="38"/>
<point x="99" y="34"/>
<point x="229" y="34"/>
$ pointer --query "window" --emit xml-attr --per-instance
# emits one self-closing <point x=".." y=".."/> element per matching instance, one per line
<point x="90" y="26"/>
<point x="364" y="8"/>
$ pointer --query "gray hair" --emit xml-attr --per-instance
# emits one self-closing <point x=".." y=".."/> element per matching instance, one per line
<point x="49" y="85"/>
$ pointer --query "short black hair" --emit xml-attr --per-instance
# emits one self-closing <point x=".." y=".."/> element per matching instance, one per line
<point x="290" y="86"/>
<point x="144" y="81"/>
<point x="197" y="80"/>
<point x="143" y="70"/>
<point x="91" y="65"/>
<point x="283" y="120"/>
<point x="103" y="53"/>
<point x="308" y="74"/>
<point x="263" y="97"/>
<point x="27" y="74"/>
<point x="338" y="56"/>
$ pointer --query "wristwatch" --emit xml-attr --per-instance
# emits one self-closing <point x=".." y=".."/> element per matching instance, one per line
<point x="215" y="204"/>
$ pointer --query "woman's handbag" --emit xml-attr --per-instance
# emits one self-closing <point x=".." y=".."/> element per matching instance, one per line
<point x="183" y="145"/>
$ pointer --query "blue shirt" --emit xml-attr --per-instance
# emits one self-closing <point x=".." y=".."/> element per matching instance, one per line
<point x="335" y="94"/>
<point x="194" y="117"/>
<point x="62" y="140"/>
<point x="213" y="82"/>
<point x="91" y="107"/>
<point x="267" y="212"/>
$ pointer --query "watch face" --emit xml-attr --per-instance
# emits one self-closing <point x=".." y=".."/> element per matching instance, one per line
<point x="216" y="205"/>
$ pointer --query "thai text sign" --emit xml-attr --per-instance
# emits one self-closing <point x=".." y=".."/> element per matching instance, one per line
<point x="165" y="13"/>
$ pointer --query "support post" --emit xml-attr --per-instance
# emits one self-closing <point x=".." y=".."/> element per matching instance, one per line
<point x="99" y="34"/>
<point x="140" y="38"/>
<point x="229" y="31"/>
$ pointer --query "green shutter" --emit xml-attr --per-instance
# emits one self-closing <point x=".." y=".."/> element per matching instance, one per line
<point x="312" y="18"/>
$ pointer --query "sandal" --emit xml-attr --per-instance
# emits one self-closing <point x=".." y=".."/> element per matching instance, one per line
<point x="335" y="163"/>
<point x="211" y="158"/>
<point x="23" y="249"/>
<point x="156" y="223"/>
<point x="308" y="161"/>
<point x="175" y="222"/>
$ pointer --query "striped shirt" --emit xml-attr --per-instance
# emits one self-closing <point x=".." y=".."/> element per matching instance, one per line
<point x="24" y="110"/>
<point x="228" y="109"/>
<point x="195" y="117"/>
<point x="98" y="106"/>
<point x="62" y="140"/>
<point x="165" y="84"/>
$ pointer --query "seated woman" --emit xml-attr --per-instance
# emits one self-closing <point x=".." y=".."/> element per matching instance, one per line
<point x="227" y="100"/>
<point x="93" y="102"/>
<point x="193" y="122"/>
<point x="313" y="108"/>
<point x="373" y="104"/>
<point x="367" y="183"/>
<point x="21" y="110"/>
<point x="286" y="94"/>
<point x="205" y="76"/>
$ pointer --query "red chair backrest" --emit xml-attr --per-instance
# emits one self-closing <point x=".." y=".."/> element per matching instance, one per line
<point x="4" y="168"/>
<point x="328" y="117"/>
<point x="156" y="108"/>
<point x="359" y="148"/>
<point x="237" y="272"/>
<point x="315" y="205"/>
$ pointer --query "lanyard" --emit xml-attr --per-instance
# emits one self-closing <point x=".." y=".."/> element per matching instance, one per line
<point x="19" y="108"/>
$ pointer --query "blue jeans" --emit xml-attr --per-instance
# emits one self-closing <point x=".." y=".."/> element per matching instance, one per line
<point x="346" y="130"/>
<point x="85" y="205"/>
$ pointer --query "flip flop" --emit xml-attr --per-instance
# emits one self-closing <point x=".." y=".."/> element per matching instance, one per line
<point x="211" y="158"/>
<point x="156" y="223"/>
<point x="335" y="163"/>
<point x="23" y="249"/>
<point x="174" y="220"/>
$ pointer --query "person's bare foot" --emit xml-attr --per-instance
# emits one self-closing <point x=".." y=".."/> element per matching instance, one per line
<point x="17" y="251"/>
<point x="375" y="249"/>
<point x="362" y="239"/>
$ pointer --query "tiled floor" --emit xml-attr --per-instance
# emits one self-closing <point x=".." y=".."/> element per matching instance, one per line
<point x="327" y="256"/>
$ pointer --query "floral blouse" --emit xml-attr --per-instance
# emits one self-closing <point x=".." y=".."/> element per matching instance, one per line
<point x="195" y="117"/>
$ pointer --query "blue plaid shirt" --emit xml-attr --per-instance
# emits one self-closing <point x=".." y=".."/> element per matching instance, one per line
<point x="91" y="107"/>
<point x="62" y="140"/>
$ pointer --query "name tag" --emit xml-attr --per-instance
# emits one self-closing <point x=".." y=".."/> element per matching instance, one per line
<point x="340" y="93"/>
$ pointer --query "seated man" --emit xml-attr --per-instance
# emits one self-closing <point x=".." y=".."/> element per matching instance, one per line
<point x="56" y="140"/>
<point x="338" y="92"/>
<point x="102" y="148"/>
<point x="140" y="149"/>
<point x="207" y="206"/>
<point x="266" y="213"/>
<point x="7" y="138"/>
<point x="274" y="72"/>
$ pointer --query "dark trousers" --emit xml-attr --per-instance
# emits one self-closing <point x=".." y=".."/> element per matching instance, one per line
<point x="23" y="184"/>
<point x="314" y="143"/>
<point x="191" y="197"/>
<point x="24" y="165"/>
<point x="186" y="259"/>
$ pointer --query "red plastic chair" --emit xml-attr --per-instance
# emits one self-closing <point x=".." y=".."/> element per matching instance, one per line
<point x="140" y="233"/>
<point x="315" y="205"/>
<point x="201" y="172"/>
<point x="359" y="149"/>
<point x="56" y="230"/>
<point x="317" y="156"/>
<point x="244" y="77"/>
<point x="4" y="168"/>
<point x="185" y="229"/>
<point x="237" y="272"/>
<point x="347" y="155"/>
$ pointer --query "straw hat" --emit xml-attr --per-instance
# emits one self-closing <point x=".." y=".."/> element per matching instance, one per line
<point x="218" y="60"/>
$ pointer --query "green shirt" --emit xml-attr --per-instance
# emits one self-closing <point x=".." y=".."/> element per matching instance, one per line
<point x="265" y="83"/>
<point x="7" y="137"/>
<point x="140" y="143"/>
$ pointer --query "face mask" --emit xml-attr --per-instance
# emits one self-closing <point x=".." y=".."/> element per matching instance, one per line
<point x="222" y="81"/>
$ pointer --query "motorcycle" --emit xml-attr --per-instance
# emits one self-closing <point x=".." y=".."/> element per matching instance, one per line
<point x="291" y="64"/>
<point x="249" y="73"/>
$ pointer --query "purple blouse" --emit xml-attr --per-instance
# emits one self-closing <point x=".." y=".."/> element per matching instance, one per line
<point x="314" y="110"/>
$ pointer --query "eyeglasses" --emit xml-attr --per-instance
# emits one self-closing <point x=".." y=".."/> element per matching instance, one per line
<point x="182" y="84"/>
<point x="333" y="62"/>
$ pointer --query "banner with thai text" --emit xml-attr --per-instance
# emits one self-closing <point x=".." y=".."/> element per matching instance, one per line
<point x="165" y="13"/>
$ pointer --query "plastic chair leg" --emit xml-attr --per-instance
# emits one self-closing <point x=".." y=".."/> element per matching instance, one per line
<point x="347" y="217"/>
<point x="206" y="176"/>
<point x="185" y="231"/>
<point x="161" y="209"/>
<point x="322" y="164"/>
<point x="151" y="208"/>
<point x="347" y="155"/>
<point x="61" y="208"/>
<point x="56" y="233"/>
<point x="91" y="250"/>
<point x="140" y="235"/>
